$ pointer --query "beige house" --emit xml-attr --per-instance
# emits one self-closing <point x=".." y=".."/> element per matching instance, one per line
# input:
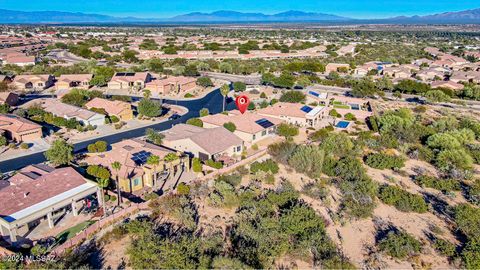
<point x="73" y="81"/>
<point x="135" y="173"/>
<point x="129" y="80"/>
<point x="171" y="85"/>
<point x="203" y="143"/>
<point x="334" y="67"/>
<point x="33" y="82"/>
<point x="40" y="194"/>
<point x="19" y="129"/>
<point x="250" y="127"/>
<point x="296" y="113"/>
<point x="122" y="110"/>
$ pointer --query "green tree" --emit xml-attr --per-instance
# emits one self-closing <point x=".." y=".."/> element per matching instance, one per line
<point x="60" y="152"/>
<point x="154" y="161"/>
<point x="230" y="126"/>
<point x="224" y="90"/>
<point x="117" y="166"/>
<point x="239" y="86"/>
<point x="293" y="97"/>
<point x="195" y="122"/>
<point x="153" y="136"/>
<point x="204" y="82"/>
<point x="149" y="107"/>
<point x="287" y="130"/>
<point x="204" y="112"/>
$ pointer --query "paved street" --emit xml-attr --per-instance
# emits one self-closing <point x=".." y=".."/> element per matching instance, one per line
<point x="212" y="101"/>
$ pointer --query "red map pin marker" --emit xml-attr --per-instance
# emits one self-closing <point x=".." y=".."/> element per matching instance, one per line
<point x="242" y="103"/>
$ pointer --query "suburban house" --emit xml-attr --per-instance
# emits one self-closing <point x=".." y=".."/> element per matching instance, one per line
<point x="250" y="127"/>
<point x="19" y="60"/>
<point x="68" y="81"/>
<point x="359" y="107"/>
<point x="203" y="143"/>
<point x="33" y="82"/>
<point x="122" y="110"/>
<point x="296" y="113"/>
<point x="8" y="98"/>
<point x="465" y="76"/>
<point x="334" y="67"/>
<point x="40" y="194"/>
<point x="447" y="84"/>
<point x="67" y="111"/>
<point x="171" y="85"/>
<point x="19" y="129"/>
<point x="135" y="173"/>
<point x="129" y="80"/>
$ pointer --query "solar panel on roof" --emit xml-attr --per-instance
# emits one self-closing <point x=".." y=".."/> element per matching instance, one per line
<point x="314" y="94"/>
<point x="306" y="109"/>
<point x="129" y="74"/>
<point x="264" y="123"/>
<point x="141" y="157"/>
<point x="121" y="74"/>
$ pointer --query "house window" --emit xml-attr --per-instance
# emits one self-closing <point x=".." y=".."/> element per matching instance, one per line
<point x="253" y="137"/>
<point x="264" y="133"/>
<point x="136" y="182"/>
<point x="239" y="148"/>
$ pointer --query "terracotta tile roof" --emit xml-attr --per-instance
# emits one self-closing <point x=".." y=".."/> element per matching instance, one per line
<point x="30" y="187"/>
<point x="74" y="77"/>
<point x="61" y="109"/>
<point x="31" y="78"/>
<point x="285" y="109"/>
<point x="112" y="107"/>
<point x="244" y="122"/>
<point x="213" y="140"/>
<point x="123" y="153"/>
<point x="16" y="124"/>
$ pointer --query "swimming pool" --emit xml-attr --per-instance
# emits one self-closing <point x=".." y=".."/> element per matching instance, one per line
<point x="342" y="124"/>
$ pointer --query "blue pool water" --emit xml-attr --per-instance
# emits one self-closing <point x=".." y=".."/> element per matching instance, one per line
<point x="342" y="124"/>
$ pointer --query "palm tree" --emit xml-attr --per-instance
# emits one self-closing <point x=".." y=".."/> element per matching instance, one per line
<point x="117" y="166"/>
<point x="154" y="161"/>
<point x="224" y="90"/>
<point x="103" y="183"/>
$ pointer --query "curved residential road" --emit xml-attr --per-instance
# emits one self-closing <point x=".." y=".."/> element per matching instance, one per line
<point x="212" y="101"/>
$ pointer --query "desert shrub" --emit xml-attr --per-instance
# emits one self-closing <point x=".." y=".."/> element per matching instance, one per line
<point x="444" y="247"/>
<point x="317" y="190"/>
<point x="473" y="192"/>
<point x="214" y="164"/>
<point x="176" y="206"/>
<point x="402" y="200"/>
<point x="267" y="166"/>
<point x="223" y="195"/>
<point x="24" y="146"/>
<point x="287" y="130"/>
<point x="358" y="197"/>
<point x="282" y="151"/>
<point x="384" y="161"/>
<point x="337" y="144"/>
<point x="196" y="165"/>
<point x="399" y="244"/>
<point x="183" y="189"/>
<point x="195" y="122"/>
<point x="467" y="218"/>
<point x="307" y="159"/>
<point x="232" y="179"/>
<point x="97" y="147"/>
<point x="437" y="183"/>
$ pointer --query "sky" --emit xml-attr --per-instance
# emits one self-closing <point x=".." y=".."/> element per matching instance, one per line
<point x="169" y="8"/>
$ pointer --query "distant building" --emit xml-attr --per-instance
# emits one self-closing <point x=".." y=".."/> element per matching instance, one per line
<point x="39" y="193"/>
<point x="129" y="80"/>
<point x="334" y="67"/>
<point x="447" y="84"/>
<point x="19" y="60"/>
<point x="122" y="110"/>
<point x="33" y="82"/>
<point x="171" y="85"/>
<point x="203" y="143"/>
<point x="19" y="129"/>
<point x="73" y="81"/>
<point x="67" y="111"/>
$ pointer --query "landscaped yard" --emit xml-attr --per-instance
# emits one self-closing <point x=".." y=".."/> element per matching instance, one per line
<point x="71" y="232"/>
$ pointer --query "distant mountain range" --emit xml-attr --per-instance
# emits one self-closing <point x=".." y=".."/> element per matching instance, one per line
<point x="59" y="17"/>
